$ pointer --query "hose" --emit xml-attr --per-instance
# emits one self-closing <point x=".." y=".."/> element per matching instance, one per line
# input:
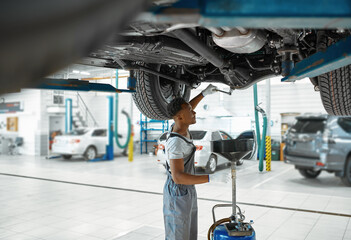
<point x="116" y="120"/>
<point x="213" y="227"/>
<point x="257" y="121"/>
<point x="263" y="139"/>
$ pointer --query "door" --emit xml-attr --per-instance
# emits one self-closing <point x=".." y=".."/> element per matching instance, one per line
<point x="56" y="127"/>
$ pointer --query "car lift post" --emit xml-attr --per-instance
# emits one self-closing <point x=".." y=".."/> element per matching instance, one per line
<point x="68" y="116"/>
<point x="109" y="155"/>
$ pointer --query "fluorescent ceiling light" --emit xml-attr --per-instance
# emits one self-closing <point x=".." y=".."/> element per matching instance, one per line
<point x="75" y="71"/>
<point x="84" y="73"/>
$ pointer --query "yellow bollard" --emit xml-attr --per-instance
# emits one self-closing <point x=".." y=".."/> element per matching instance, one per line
<point x="268" y="153"/>
<point x="130" y="146"/>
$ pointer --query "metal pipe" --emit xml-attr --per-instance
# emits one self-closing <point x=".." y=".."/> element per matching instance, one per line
<point x="242" y="30"/>
<point x="193" y="42"/>
<point x="163" y="75"/>
<point x="257" y="120"/>
<point x="233" y="168"/>
<point x="216" y="30"/>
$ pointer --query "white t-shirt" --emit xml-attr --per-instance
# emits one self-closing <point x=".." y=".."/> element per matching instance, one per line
<point x="177" y="148"/>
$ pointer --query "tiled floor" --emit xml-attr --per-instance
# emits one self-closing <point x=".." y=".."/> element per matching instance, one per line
<point x="123" y="200"/>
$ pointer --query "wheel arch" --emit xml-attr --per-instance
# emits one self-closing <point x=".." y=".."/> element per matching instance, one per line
<point x="93" y="146"/>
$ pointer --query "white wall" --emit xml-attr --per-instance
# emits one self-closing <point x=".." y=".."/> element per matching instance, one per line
<point x="28" y="120"/>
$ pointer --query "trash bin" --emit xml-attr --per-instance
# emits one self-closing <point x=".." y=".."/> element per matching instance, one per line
<point x="275" y="151"/>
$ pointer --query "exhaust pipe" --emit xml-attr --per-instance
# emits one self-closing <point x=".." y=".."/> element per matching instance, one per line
<point x="193" y="42"/>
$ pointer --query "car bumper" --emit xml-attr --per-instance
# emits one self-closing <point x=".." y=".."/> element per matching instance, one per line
<point x="323" y="162"/>
<point x="68" y="149"/>
<point x="201" y="159"/>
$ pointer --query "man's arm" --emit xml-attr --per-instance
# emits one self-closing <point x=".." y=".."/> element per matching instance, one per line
<point x="196" y="100"/>
<point x="209" y="90"/>
<point x="180" y="177"/>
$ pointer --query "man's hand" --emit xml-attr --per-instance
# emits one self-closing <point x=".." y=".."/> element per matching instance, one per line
<point x="220" y="177"/>
<point x="209" y="90"/>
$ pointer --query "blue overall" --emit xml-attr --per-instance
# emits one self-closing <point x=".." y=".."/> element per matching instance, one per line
<point x="180" y="202"/>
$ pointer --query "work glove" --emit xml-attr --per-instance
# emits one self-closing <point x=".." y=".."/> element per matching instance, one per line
<point x="220" y="177"/>
<point x="209" y="90"/>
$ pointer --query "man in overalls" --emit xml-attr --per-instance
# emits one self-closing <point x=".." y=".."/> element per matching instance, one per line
<point x="179" y="194"/>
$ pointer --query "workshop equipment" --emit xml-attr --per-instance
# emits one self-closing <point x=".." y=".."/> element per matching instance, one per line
<point x="109" y="155"/>
<point x="130" y="83"/>
<point x="260" y="141"/>
<point x="263" y="139"/>
<point x="68" y="115"/>
<point x="233" y="227"/>
<point x="229" y="93"/>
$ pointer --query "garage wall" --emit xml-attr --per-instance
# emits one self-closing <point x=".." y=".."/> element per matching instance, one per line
<point x="28" y="120"/>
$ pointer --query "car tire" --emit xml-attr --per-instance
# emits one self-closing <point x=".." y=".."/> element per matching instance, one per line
<point x="90" y="153"/>
<point x="211" y="165"/>
<point x="334" y="86"/>
<point x="309" y="173"/>
<point x="67" y="156"/>
<point x="346" y="179"/>
<point x="153" y="93"/>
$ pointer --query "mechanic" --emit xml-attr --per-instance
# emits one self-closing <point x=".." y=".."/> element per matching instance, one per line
<point x="179" y="193"/>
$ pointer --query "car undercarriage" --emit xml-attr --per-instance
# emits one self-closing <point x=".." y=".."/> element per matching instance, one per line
<point x="184" y="56"/>
<point x="172" y="46"/>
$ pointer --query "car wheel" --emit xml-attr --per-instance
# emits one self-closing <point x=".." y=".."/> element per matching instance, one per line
<point x="240" y="162"/>
<point x="90" y="153"/>
<point x="211" y="165"/>
<point x="346" y="179"/>
<point x="153" y="93"/>
<point x="67" y="156"/>
<point x="334" y="86"/>
<point x="309" y="173"/>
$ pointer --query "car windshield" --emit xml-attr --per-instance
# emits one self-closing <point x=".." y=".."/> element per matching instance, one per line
<point x="77" y="132"/>
<point x="308" y="126"/>
<point x="198" y="135"/>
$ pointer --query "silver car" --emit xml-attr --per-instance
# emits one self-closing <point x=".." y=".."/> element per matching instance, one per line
<point x="204" y="158"/>
<point x="320" y="142"/>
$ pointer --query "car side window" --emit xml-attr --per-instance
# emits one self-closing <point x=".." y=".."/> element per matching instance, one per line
<point x="99" y="133"/>
<point x="345" y="124"/>
<point x="225" y="136"/>
<point x="163" y="136"/>
<point x="216" y="136"/>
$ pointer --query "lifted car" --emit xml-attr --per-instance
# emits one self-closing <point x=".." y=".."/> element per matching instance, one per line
<point x="168" y="60"/>
<point x="175" y="45"/>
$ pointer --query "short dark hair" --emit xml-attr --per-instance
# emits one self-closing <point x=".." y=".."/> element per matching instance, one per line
<point x="175" y="106"/>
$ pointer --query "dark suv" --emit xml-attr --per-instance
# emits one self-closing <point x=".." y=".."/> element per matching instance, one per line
<point x="322" y="142"/>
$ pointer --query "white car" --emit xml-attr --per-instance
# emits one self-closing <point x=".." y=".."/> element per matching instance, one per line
<point x="87" y="142"/>
<point x="204" y="157"/>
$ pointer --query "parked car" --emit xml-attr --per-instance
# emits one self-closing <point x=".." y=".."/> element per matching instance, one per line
<point x="87" y="142"/>
<point x="320" y="143"/>
<point x="204" y="158"/>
